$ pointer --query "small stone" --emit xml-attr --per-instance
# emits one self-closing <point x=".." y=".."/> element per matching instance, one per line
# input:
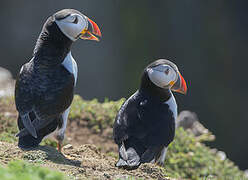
<point x="222" y="155"/>
<point x="214" y="150"/>
<point x="106" y="175"/>
<point x="246" y="173"/>
<point x="7" y="83"/>
<point x="81" y="171"/>
<point x="210" y="177"/>
<point x="191" y="154"/>
<point x="63" y="169"/>
<point x="68" y="146"/>
<point x="7" y="114"/>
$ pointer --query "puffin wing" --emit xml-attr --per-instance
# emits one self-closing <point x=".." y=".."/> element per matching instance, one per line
<point x="125" y="119"/>
<point x="29" y="127"/>
<point x="127" y="135"/>
<point x="36" y="124"/>
<point x="49" y="100"/>
<point x="24" y="99"/>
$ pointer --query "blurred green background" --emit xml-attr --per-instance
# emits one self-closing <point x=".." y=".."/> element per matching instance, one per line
<point x="206" y="39"/>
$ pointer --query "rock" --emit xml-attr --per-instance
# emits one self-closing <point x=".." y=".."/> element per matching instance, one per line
<point x="4" y="75"/>
<point x="7" y="83"/>
<point x="186" y="119"/>
<point x="214" y="150"/>
<point x="189" y="120"/>
<point x="221" y="155"/>
<point x="68" y="146"/>
<point x="246" y="173"/>
<point x="107" y="175"/>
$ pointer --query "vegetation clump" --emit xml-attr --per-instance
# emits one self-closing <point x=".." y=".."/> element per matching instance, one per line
<point x="25" y="171"/>
<point x="187" y="157"/>
<point x="98" y="115"/>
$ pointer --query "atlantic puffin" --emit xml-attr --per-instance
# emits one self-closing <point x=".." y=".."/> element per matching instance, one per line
<point x="145" y="123"/>
<point x="45" y="85"/>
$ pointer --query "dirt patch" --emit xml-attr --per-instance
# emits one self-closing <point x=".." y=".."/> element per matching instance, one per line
<point x="78" y="134"/>
<point x="83" y="162"/>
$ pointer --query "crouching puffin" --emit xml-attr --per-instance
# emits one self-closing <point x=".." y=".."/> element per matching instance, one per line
<point x="145" y="123"/>
<point x="45" y="85"/>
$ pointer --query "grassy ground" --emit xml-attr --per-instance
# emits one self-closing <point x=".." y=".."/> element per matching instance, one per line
<point x="91" y="122"/>
<point x="25" y="171"/>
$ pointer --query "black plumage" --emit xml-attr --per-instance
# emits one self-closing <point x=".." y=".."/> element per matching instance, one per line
<point x="145" y="124"/>
<point x="45" y="85"/>
<point x="44" y="88"/>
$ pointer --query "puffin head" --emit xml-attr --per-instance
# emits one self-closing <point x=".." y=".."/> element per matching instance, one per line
<point x="59" y="32"/>
<point x="74" y="25"/>
<point x="165" y="74"/>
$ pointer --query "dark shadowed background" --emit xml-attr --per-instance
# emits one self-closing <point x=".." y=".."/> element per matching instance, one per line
<point x="206" y="39"/>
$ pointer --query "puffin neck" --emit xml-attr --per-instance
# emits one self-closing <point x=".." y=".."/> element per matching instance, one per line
<point x="52" y="45"/>
<point x="155" y="92"/>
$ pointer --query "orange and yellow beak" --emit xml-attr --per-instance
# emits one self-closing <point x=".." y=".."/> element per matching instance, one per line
<point x="180" y="85"/>
<point x="91" y="32"/>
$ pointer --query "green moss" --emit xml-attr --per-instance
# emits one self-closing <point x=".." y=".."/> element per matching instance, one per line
<point x="25" y="171"/>
<point x="49" y="142"/>
<point x="112" y="154"/>
<point x="97" y="115"/>
<point x="188" y="157"/>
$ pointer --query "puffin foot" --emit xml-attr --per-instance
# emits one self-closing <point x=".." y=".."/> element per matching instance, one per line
<point x="160" y="163"/>
<point x="59" y="146"/>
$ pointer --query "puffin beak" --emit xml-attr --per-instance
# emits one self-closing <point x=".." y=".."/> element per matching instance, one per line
<point x="89" y="34"/>
<point x="180" y="85"/>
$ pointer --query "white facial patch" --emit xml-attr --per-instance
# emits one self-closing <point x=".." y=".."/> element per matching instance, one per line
<point x="162" y="75"/>
<point x="72" y="25"/>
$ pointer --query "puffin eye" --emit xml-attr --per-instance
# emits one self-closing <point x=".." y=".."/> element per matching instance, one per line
<point x="167" y="71"/>
<point x="72" y="19"/>
<point x="75" y="20"/>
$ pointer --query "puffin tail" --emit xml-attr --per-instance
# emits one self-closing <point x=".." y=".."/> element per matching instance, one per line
<point x="128" y="159"/>
<point x="28" y="142"/>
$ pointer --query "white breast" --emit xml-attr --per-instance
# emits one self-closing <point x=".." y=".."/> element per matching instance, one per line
<point x="70" y="64"/>
<point x="172" y="105"/>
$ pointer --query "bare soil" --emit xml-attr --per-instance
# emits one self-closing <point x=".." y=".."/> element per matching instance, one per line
<point x="78" y="134"/>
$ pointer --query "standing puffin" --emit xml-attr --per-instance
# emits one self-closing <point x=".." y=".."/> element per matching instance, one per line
<point x="145" y="124"/>
<point x="45" y="85"/>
